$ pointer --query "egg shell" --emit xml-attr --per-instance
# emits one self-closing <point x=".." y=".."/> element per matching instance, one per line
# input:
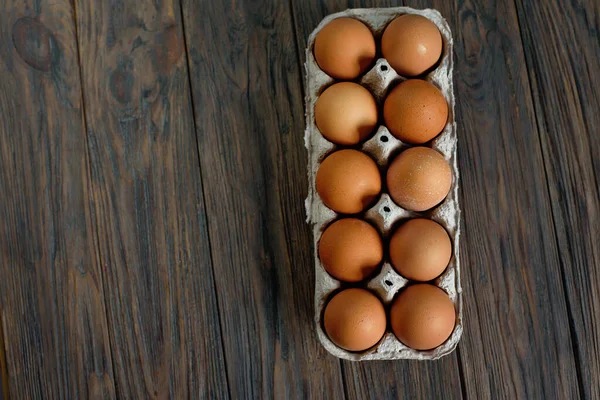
<point x="412" y="44"/>
<point x="423" y="316"/>
<point x="420" y="249"/>
<point x="348" y="181"/>
<point x="415" y="111"/>
<point x="344" y="48"/>
<point x="346" y="113"/>
<point x="385" y="215"/>
<point x="419" y="178"/>
<point x="351" y="249"/>
<point x="355" y="319"/>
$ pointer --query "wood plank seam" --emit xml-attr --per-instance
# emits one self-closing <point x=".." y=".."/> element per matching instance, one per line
<point x="460" y="361"/>
<point x="453" y="19"/>
<point x="3" y="367"/>
<point x="95" y="234"/>
<point x="299" y="51"/>
<point x="572" y="333"/>
<point x="191" y="94"/>
<point x="461" y="373"/>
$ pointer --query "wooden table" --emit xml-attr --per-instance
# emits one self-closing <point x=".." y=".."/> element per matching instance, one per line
<point x="152" y="181"/>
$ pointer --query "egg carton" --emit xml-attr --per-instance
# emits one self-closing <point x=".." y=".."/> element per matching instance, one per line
<point x="385" y="214"/>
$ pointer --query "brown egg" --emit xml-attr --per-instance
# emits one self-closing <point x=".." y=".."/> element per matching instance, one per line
<point x="348" y="181"/>
<point x="412" y="44"/>
<point x="350" y="249"/>
<point x="355" y="319"/>
<point x="420" y="249"/>
<point x="344" y="48"/>
<point x="419" y="179"/>
<point x="422" y="316"/>
<point x="346" y="113"/>
<point x="415" y="111"/>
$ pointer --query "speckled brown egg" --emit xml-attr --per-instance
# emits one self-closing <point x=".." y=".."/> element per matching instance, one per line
<point x="420" y="249"/>
<point x="412" y="44"/>
<point x="415" y="111"/>
<point x="355" y="319"/>
<point x="348" y="181"/>
<point x="350" y="249"/>
<point x="346" y="113"/>
<point x="345" y="48"/>
<point x="419" y="179"/>
<point x="423" y="316"/>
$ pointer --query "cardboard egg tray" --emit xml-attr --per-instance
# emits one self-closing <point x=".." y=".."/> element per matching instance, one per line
<point x="385" y="214"/>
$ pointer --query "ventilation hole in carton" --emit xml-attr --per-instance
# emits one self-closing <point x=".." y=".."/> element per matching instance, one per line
<point x="386" y="209"/>
<point x="388" y="282"/>
<point x="384" y="139"/>
<point x="383" y="68"/>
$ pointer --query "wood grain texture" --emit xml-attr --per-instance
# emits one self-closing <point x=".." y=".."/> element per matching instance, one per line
<point x="381" y="380"/>
<point x="3" y="367"/>
<point x="517" y="342"/>
<point x="51" y="292"/>
<point x="153" y="242"/>
<point x="565" y="79"/>
<point x="148" y="201"/>
<point x="250" y="120"/>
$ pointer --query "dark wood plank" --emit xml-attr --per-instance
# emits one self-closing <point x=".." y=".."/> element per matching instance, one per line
<point x="565" y="80"/>
<point x="250" y="121"/>
<point x="3" y="366"/>
<point x="51" y="291"/>
<point x="148" y="198"/>
<point x="381" y="380"/>
<point x="403" y="379"/>
<point x="517" y="342"/>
